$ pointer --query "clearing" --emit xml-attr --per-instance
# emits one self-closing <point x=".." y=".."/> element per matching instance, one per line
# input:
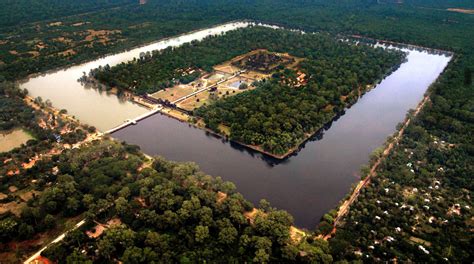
<point x="13" y="139"/>
<point x="461" y="10"/>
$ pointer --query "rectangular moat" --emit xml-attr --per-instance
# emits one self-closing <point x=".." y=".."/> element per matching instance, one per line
<point x="307" y="184"/>
<point x="314" y="180"/>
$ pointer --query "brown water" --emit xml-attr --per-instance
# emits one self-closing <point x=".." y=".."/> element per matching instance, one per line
<point x="312" y="182"/>
<point x="102" y="110"/>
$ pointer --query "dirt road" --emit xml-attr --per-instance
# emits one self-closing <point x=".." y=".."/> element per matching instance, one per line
<point x="345" y="207"/>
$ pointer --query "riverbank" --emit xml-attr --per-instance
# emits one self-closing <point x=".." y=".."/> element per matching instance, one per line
<point x="344" y="207"/>
<point x="308" y="136"/>
<point x="65" y="92"/>
<point x="330" y="159"/>
<point x="183" y="116"/>
<point x="369" y="40"/>
<point x="119" y="51"/>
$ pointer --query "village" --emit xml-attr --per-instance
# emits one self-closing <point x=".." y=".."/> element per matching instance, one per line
<point x="66" y="133"/>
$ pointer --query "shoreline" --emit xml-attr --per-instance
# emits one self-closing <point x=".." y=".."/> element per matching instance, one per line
<point x="293" y="150"/>
<point x="62" y="68"/>
<point x="389" y="145"/>
<point x="403" y="45"/>
<point x="257" y="149"/>
<point x="278" y="157"/>
<point x="250" y="21"/>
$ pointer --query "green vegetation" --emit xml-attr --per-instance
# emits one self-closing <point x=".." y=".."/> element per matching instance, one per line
<point x="448" y="117"/>
<point x="16" y="12"/>
<point x="169" y="212"/>
<point x="14" y="113"/>
<point x="421" y="193"/>
<point x="279" y="114"/>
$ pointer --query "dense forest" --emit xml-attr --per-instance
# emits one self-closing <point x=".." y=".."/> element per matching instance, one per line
<point x="157" y="70"/>
<point x="447" y="120"/>
<point x="31" y="48"/>
<point x="166" y="211"/>
<point x="15" y="12"/>
<point x="277" y="115"/>
<point x="13" y="111"/>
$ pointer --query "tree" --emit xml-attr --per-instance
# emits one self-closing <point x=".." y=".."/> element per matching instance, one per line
<point x="243" y="86"/>
<point x="467" y="76"/>
<point x="263" y="249"/>
<point x="106" y="248"/>
<point x="133" y="255"/>
<point x="49" y="221"/>
<point x="228" y="235"/>
<point x="77" y="257"/>
<point x="122" y="206"/>
<point x="201" y="233"/>
<point x="7" y="228"/>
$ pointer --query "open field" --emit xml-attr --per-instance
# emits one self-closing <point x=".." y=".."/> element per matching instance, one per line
<point x="226" y="68"/>
<point x="13" y="207"/>
<point x="174" y="93"/>
<point x="462" y="10"/>
<point x="13" y="139"/>
<point x="227" y="88"/>
<point x="255" y="76"/>
<point x="195" y="101"/>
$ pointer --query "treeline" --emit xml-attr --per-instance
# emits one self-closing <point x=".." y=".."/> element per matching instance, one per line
<point x="16" y="12"/>
<point x="275" y="116"/>
<point x="64" y="186"/>
<point x="31" y="48"/>
<point x="278" y="115"/>
<point x="419" y="205"/>
<point x="13" y="111"/>
<point x="169" y="212"/>
<point x="426" y="27"/>
<point x="157" y="19"/>
<point x="16" y="114"/>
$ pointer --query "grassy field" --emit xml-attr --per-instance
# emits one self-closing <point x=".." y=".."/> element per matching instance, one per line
<point x="195" y="101"/>
<point x="13" y="139"/>
<point x="173" y="93"/>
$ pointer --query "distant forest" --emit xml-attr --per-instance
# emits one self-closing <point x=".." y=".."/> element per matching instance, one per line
<point x="15" y="12"/>
<point x="429" y="211"/>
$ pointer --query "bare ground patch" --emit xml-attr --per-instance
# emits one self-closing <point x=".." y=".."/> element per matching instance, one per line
<point x="461" y="10"/>
<point x="13" y="139"/>
<point x="174" y="93"/>
<point x="195" y="101"/>
<point x="68" y="52"/>
<point x="100" y="35"/>
<point x="13" y="207"/>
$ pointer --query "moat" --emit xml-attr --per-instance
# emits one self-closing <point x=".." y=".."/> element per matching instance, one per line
<point x="314" y="180"/>
<point x="307" y="184"/>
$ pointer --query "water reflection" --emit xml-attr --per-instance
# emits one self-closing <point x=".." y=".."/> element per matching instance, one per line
<point x="306" y="184"/>
<point x="320" y="174"/>
<point x="98" y="108"/>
